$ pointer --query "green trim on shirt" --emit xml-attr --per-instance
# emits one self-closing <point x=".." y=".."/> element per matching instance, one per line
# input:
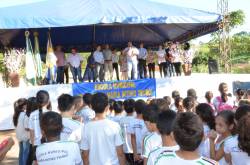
<point x="200" y="162"/>
<point x="154" y="150"/>
<point x="74" y="121"/>
<point x="145" y="142"/>
<point x="164" y="155"/>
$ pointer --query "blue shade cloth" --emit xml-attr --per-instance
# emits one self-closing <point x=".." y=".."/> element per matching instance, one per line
<point x="84" y="22"/>
<point x="145" y="88"/>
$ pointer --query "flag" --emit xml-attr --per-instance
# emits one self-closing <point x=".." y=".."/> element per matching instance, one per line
<point x="29" y="62"/>
<point x="38" y="62"/>
<point x="50" y="62"/>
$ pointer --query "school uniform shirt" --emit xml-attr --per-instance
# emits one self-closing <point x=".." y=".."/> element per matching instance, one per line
<point x="161" y="56"/>
<point x="98" y="56"/>
<point x="34" y="124"/>
<point x="238" y="157"/>
<point x="72" y="130"/>
<point x="153" y="155"/>
<point x="101" y="138"/>
<point x="142" y="54"/>
<point x="170" y="157"/>
<point x="139" y="129"/>
<point x="173" y="107"/>
<point x="74" y="60"/>
<point x="21" y="133"/>
<point x="59" y="153"/>
<point x="151" y="142"/>
<point x="125" y="124"/>
<point x="222" y="161"/>
<point x="117" y="118"/>
<point x="87" y="114"/>
<point x="204" y="147"/>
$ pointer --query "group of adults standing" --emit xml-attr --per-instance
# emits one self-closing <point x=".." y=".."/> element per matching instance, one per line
<point x="132" y="62"/>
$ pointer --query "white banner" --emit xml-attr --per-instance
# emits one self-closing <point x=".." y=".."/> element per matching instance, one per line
<point x="10" y="95"/>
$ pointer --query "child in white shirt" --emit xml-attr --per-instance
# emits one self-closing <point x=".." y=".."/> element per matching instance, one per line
<point x="237" y="149"/>
<point x="165" y="125"/>
<point x="225" y="128"/>
<point x="188" y="133"/>
<point x="138" y="131"/>
<point x="102" y="139"/>
<point x="36" y="137"/>
<point x="153" y="140"/>
<point x="86" y="113"/>
<point x="125" y="124"/>
<point x="205" y="112"/>
<point x="54" y="151"/>
<point x="72" y="129"/>
<point x="22" y="134"/>
<point x="118" y="108"/>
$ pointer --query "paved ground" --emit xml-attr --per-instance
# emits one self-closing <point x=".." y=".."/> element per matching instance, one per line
<point x="12" y="156"/>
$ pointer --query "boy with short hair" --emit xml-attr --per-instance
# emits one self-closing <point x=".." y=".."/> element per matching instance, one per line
<point x="72" y="129"/>
<point x="188" y="133"/>
<point x="153" y="140"/>
<point x="86" y="112"/>
<point x="138" y="131"/>
<point x="54" y="151"/>
<point x="102" y="140"/>
<point x="165" y="125"/>
<point x="118" y="108"/>
<point x="125" y="124"/>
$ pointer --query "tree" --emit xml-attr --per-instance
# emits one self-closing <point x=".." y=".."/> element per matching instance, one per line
<point x="211" y="49"/>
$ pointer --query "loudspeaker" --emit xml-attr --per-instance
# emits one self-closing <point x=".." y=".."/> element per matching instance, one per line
<point x="213" y="66"/>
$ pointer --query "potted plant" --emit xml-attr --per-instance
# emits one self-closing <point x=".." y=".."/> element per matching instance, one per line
<point x="13" y="61"/>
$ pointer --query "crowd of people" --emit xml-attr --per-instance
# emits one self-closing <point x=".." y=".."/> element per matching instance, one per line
<point x="93" y="129"/>
<point x="129" y="63"/>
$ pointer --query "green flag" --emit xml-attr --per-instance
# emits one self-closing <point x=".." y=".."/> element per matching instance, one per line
<point x="29" y="62"/>
<point x="38" y="62"/>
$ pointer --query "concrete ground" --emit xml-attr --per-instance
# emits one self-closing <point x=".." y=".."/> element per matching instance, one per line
<point x="12" y="156"/>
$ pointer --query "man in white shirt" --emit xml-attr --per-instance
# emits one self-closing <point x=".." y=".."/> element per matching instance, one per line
<point x="131" y="52"/>
<point x="108" y="67"/>
<point x="142" y="61"/>
<point x="99" y="64"/>
<point x="102" y="139"/>
<point x="75" y="61"/>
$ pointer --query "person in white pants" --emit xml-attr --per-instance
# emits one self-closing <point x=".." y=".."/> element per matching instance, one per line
<point x="131" y="52"/>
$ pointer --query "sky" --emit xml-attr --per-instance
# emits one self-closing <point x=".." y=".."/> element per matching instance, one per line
<point x="211" y="5"/>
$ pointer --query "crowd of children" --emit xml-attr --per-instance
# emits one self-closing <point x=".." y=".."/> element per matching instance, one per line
<point x="96" y="130"/>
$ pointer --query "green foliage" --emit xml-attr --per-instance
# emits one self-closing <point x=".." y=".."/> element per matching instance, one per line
<point x="236" y="18"/>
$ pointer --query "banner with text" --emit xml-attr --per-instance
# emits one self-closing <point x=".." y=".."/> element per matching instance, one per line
<point x="145" y="88"/>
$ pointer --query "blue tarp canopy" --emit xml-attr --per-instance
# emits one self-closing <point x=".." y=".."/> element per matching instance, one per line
<point x="86" y="22"/>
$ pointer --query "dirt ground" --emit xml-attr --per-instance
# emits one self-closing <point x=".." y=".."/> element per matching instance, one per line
<point x="12" y="156"/>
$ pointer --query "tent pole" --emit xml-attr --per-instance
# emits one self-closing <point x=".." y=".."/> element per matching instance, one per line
<point x="93" y="41"/>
